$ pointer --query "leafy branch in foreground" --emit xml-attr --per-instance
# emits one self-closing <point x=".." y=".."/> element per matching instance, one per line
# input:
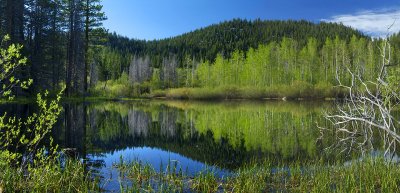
<point x="11" y="60"/>
<point x="369" y="111"/>
<point x="26" y="164"/>
<point x="20" y="139"/>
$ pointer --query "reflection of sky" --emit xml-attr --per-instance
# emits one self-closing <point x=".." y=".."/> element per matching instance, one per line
<point x="153" y="156"/>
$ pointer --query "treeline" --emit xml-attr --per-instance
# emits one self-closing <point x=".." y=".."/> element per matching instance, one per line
<point x="224" y="38"/>
<point x="60" y="38"/>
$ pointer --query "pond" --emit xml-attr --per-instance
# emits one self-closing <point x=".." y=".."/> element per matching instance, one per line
<point x="191" y="136"/>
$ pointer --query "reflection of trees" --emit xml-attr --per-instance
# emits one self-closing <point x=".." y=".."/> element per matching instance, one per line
<point x="220" y="134"/>
<point x="284" y="134"/>
<point x="93" y="119"/>
<point x="224" y="136"/>
<point x="209" y="133"/>
<point x="139" y="123"/>
<point x="75" y="127"/>
<point x="167" y="120"/>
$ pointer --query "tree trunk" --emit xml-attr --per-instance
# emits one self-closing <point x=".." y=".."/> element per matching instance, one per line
<point x="87" y="25"/>
<point x="70" y="52"/>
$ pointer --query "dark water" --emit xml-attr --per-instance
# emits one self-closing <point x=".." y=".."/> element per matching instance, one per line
<point x="193" y="136"/>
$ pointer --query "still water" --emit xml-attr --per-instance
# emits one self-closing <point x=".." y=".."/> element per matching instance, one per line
<point x="192" y="136"/>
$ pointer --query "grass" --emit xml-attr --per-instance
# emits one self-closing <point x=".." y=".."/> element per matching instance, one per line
<point x="214" y="93"/>
<point x="295" y="91"/>
<point x="370" y="175"/>
<point x="71" y="177"/>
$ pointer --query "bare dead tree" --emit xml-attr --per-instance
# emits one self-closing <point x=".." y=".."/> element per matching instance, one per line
<point x="368" y="110"/>
<point x="140" y="70"/>
<point x="168" y="72"/>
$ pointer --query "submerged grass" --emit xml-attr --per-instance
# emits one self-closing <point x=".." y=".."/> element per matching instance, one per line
<point x="370" y="175"/>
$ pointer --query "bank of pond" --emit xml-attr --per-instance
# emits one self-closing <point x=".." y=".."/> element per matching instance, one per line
<point x="297" y="91"/>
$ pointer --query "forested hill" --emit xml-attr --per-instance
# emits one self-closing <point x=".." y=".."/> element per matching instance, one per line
<point x="242" y="59"/>
<point x="228" y="36"/>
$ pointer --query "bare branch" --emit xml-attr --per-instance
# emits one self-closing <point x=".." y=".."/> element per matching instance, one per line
<point x="365" y="112"/>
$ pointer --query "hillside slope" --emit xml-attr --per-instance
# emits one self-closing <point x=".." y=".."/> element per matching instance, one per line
<point x="228" y="36"/>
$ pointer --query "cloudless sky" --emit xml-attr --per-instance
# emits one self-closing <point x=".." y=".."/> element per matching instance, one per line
<point x="157" y="19"/>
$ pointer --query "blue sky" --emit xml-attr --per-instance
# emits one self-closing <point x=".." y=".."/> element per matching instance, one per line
<point x="157" y="19"/>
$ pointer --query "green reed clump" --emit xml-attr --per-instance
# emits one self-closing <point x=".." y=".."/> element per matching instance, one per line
<point x="205" y="182"/>
<point x="71" y="177"/>
<point x="138" y="177"/>
<point x="253" y="179"/>
<point x="371" y="175"/>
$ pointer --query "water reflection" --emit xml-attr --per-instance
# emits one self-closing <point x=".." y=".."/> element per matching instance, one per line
<point x="222" y="134"/>
<point x="227" y="135"/>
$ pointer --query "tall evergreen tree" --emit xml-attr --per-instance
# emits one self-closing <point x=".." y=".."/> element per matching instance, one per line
<point x="93" y="21"/>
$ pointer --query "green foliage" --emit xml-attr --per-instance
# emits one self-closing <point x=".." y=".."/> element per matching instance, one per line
<point x="26" y="164"/>
<point x="113" y="89"/>
<point x="10" y="62"/>
<point x="16" y="133"/>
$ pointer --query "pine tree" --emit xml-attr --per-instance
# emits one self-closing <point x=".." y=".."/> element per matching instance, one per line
<point x="93" y="32"/>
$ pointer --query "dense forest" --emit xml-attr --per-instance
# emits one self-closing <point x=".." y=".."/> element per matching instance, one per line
<point x="59" y="39"/>
<point x="66" y="45"/>
<point x="226" y="37"/>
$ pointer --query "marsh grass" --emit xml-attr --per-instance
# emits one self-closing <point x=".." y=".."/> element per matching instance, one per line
<point x="369" y="175"/>
<point x="138" y="177"/>
<point x="71" y="177"/>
